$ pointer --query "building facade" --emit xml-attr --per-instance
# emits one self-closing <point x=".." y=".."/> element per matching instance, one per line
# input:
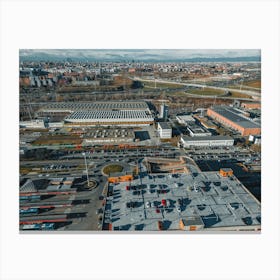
<point x="165" y="131"/>
<point x="213" y="141"/>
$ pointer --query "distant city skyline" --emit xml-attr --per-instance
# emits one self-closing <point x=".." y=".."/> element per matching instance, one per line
<point x="154" y="55"/>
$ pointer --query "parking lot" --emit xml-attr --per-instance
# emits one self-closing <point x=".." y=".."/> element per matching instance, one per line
<point x="167" y="199"/>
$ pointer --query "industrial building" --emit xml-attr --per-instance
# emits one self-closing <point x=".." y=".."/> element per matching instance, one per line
<point x="109" y="135"/>
<point x="197" y="201"/>
<point x="32" y="124"/>
<point x="196" y="130"/>
<point x="193" y="125"/>
<point x="205" y="122"/>
<point x="251" y="105"/>
<point x="164" y="130"/>
<point x="184" y="119"/>
<point x="234" y="119"/>
<point x="206" y="141"/>
<point x="108" y="118"/>
<point x="256" y="139"/>
<point x="126" y="113"/>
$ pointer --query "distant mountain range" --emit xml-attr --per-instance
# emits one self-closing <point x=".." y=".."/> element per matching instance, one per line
<point x="141" y="55"/>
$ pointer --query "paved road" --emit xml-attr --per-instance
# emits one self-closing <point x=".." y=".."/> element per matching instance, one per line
<point x="248" y="92"/>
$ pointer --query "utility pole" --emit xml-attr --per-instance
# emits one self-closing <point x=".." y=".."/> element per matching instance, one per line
<point x="84" y="154"/>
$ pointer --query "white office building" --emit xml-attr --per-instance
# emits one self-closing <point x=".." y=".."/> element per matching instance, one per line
<point x="212" y="141"/>
<point x="165" y="131"/>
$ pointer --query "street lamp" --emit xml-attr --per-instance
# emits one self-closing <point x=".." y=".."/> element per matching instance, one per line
<point x="84" y="154"/>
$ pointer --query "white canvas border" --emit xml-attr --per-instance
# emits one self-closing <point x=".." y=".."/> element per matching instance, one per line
<point x="165" y="24"/>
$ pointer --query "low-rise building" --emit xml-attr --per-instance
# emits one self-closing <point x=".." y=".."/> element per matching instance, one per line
<point x="184" y="119"/>
<point x="165" y="131"/>
<point x="234" y="119"/>
<point x="197" y="130"/>
<point x="212" y="141"/>
<point x="32" y="124"/>
<point x="191" y="223"/>
<point x="251" y="105"/>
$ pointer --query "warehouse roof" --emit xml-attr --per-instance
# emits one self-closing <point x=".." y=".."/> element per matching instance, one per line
<point x="234" y="116"/>
<point x="207" y="138"/>
<point x="109" y="115"/>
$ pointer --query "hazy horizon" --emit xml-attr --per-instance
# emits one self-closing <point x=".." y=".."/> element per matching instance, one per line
<point x="139" y="54"/>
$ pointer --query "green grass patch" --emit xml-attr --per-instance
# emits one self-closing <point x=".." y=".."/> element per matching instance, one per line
<point x="112" y="168"/>
<point x="206" y="91"/>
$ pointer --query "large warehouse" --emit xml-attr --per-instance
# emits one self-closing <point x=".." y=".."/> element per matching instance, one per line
<point x="234" y="119"/>
<point x="105" y="118"/>
<point x="119" y="113"/>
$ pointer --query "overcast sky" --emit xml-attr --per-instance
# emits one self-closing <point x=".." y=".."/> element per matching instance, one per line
<point x="140" y="54"/>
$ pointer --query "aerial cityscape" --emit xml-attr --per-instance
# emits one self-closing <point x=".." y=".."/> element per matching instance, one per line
<point x="140" y="140"/>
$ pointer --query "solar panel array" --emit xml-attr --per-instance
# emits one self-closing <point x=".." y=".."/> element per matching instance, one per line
<point x="110" y="116"/>
<point x="234" y="116"/>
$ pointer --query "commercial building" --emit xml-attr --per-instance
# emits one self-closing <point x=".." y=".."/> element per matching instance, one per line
<point x="163" y="114"/>
<point x="165" y="131"/>
<point x="197" y="201"/>
<point x="234" y="119"/>
<point x="200" y="141"/>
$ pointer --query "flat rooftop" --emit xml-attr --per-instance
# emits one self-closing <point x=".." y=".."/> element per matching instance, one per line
<point x="164" y="125"/>
<point x="195" y="128"/>
<point x="220" y="202"/>
<point x="234" y="116"/>
<point x="117" y="116"/>
<point x="109" y="133"/>
<point x="103" y="106"/>
<point x="206" y="138"/>
<point x="185" y="118"/>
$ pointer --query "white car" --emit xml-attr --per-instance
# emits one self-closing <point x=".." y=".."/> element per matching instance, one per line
<point x="148" y="204"/>
<point x="178" y="208"/>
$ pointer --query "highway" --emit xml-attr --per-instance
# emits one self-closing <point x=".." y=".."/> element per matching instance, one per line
<point x="248" y="92"/>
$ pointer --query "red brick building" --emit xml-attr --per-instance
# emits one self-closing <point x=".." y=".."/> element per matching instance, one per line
<point x="234" y="119"/>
